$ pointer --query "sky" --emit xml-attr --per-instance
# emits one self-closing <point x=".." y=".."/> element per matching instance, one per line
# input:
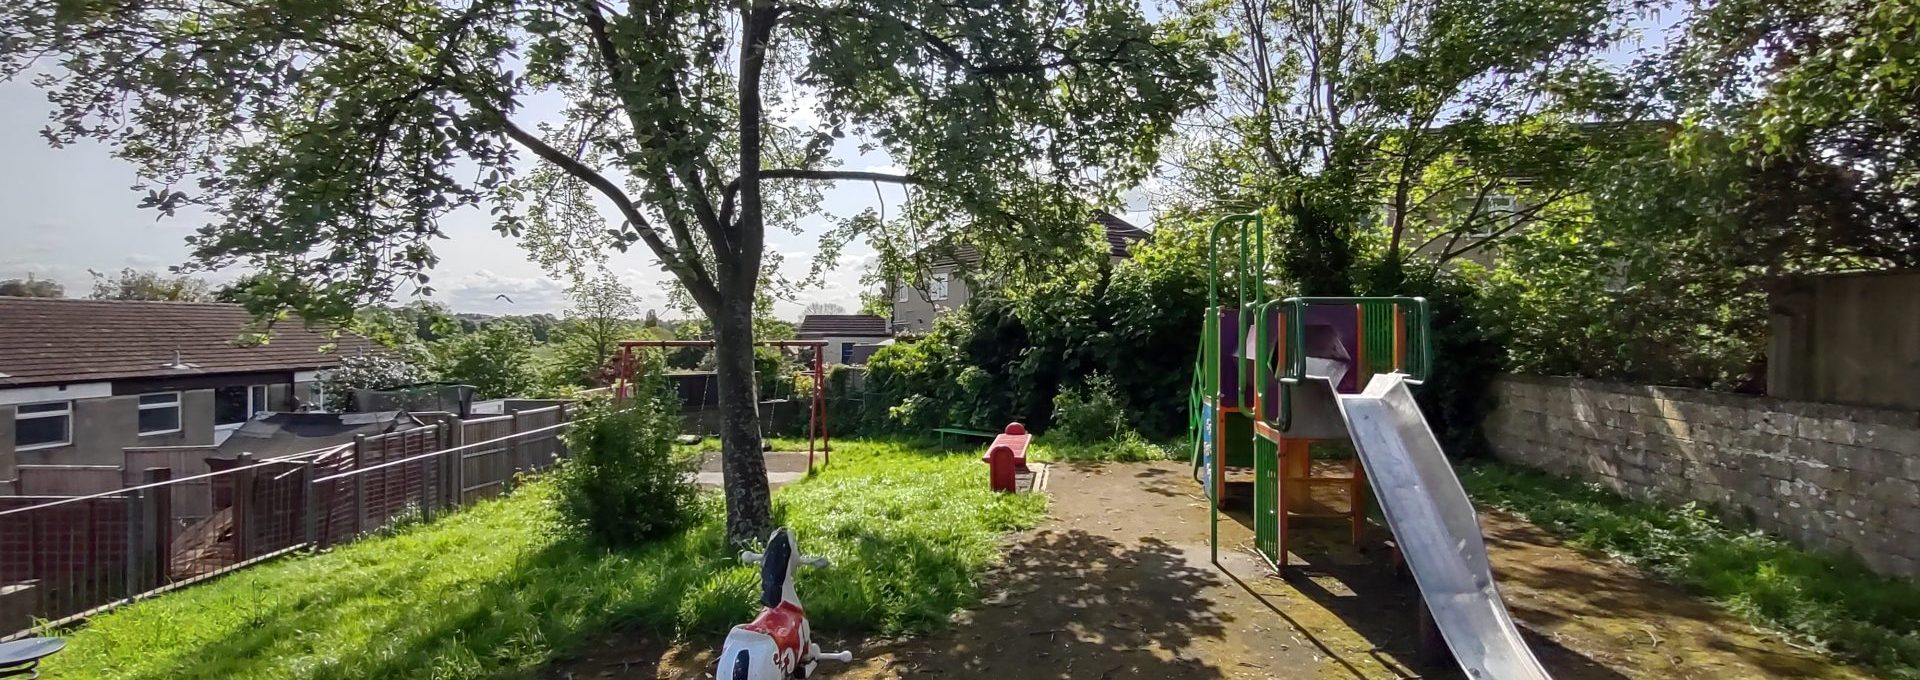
<point x="71" y="210"/>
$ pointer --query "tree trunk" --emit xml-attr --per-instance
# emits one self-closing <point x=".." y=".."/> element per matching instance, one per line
<point x="749" y="508"/>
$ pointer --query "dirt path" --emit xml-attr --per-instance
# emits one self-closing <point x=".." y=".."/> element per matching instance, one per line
<point x="1117" y="584"/>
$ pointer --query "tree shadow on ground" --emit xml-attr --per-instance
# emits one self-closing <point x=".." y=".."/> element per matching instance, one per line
<point x="1072" y="604"/>
<point x="1155" y="480"/>
<point x="1363" y="587"/>
<point x="1553" y="585"/>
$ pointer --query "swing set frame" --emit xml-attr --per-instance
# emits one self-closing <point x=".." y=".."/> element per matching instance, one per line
<point x="816" y="413"/>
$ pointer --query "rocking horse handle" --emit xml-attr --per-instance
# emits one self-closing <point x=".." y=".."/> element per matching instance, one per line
<point x="842" y="656"/>
<point x="751" y="557"/>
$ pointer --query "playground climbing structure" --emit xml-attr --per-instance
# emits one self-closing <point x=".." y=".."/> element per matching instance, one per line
<point x="1278" y="380"/>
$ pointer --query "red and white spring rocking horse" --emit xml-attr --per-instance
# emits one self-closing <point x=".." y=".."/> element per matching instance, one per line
<point x="778" y="644"/>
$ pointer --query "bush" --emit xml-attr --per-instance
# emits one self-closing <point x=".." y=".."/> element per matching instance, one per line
<point x="367" y="372"/>
<point x="496" y="360"/>
<point x="622" y="485"/>
<point x="1469" y="351"/>
<point x="1004" y="359"/>
<point x="1089" y="413"/>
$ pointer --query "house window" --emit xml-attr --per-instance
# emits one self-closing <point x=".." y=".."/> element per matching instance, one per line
<point x="39" y="426"/>
<point x="1499" y="210"/>
<point x="938" y="291"/>
<point x="901" y="292"/>
<point x="159" y="413"/>
<point x="846" y="352"/>
<point x="236" y="404"/>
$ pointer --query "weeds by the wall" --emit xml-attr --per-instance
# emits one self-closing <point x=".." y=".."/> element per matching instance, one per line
<point x="1829" y="601"/>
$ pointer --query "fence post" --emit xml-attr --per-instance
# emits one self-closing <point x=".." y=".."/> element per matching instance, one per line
<point x="136" y="567"/>
<point x="359" y="483"/>
<point x="428" y="495"/>
<point x="457" y="465"/>
<point x="560" y="442"/>
<point x="449" y="439"/>
<point x="158" y="519"/>
<point x="243" y="509"/>
<point x="310" y="503"/>
<point x="518" y="452"/>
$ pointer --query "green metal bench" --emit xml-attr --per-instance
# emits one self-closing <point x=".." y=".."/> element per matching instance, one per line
<point x="962" y="432"/>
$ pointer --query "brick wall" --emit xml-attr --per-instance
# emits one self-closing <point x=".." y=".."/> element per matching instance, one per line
<point x="1836" y="478"/>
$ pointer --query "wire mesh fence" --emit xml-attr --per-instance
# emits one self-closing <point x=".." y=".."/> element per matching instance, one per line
<point x="64" y="558"/>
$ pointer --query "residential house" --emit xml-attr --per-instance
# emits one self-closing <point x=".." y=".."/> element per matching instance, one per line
<point x="949" y="287"/>
<point x="850" y="338"/>
<point x="82" y="379"/>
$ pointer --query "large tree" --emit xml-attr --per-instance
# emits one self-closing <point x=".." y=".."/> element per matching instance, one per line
<point x="1405" y="114"/>
<point x="31" y="287"/>
<point x="602" y="312"/>
<point x="134" y="284"/>
<point x="328" y="139"/>
<point x="1808" y="114"/>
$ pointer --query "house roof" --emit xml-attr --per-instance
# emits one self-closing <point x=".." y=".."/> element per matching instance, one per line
<point x="1121" y="234"/>
<point x="54" y="340"/>
<point x="1121" y="237"/>
<point x="858" y="325"/>
<point x="286" y="434"/>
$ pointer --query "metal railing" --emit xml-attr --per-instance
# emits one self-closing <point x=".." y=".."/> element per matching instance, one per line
<point x="63" y="559"/>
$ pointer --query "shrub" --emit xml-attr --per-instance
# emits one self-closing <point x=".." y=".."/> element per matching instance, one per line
<point x="622" y="485"/>
<point x="1089" y="413"/>
<point x="496" y="360"/>
<point x="846" y="403"/>
<point x="1469" y="351"/>
<point x="367" y="372"/>
<point x="1128" y="447"/>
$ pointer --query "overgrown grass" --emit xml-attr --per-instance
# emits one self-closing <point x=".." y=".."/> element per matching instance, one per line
<point x="1126" y="448"/>
<point x="1829" y="601"/>
<point x="497" y="591"/>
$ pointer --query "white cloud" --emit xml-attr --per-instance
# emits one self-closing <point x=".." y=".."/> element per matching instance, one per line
<point x="840" y="285"/>
<point x="486" y="292"/>
<point x="801" y="110"/>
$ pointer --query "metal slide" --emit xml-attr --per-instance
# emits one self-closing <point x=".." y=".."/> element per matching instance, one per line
<point x="1436" y="529"/>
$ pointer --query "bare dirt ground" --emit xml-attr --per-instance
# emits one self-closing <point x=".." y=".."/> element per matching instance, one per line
<point x="1118" y="584"/>
<point x="783" y="468"/>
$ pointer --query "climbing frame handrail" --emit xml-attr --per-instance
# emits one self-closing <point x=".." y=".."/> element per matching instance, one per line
<point x="1411" y="331"/>
<point x="1398" y="327"/>
<point x="1247" y="276"/>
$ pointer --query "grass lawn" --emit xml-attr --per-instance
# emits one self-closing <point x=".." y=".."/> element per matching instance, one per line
<point x="495" y="591"/>
<point x="1832" y="602"/>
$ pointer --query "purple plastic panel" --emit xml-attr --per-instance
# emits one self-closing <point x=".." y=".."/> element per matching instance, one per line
<point x="1345" y="324"/>
<point x="1229" y="358"/>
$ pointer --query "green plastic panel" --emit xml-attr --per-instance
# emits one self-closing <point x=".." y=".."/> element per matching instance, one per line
<point x="1266" y="499"/>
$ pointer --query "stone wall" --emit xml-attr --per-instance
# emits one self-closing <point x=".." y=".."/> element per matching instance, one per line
<point x="1836" y="478"/>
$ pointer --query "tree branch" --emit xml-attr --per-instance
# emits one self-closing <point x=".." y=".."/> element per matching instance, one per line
<point x="620" y="73"/>
<point x="685" y="265"/>
<point x="757" y="20"/>
<point x="954" y="54"/>
<point x="733" y="188"/>
<point x="836" y="175"/>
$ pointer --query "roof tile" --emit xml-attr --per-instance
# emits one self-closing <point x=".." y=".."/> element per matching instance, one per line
<point x="53" y="340"/>
<point x="823" y="325"/>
